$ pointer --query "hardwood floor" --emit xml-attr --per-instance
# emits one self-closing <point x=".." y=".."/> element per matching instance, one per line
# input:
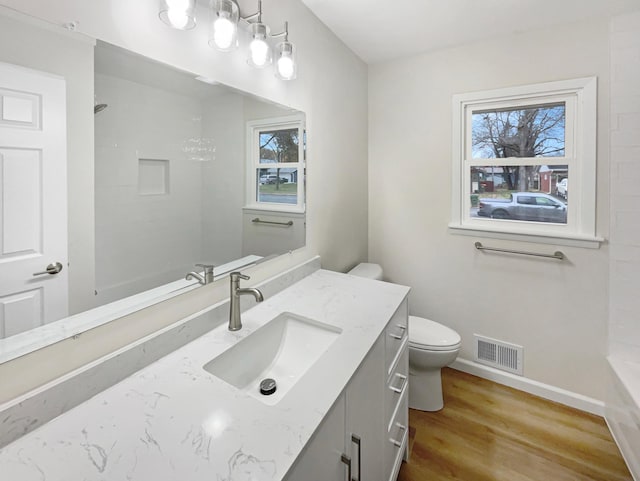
<point x="490" y="432"/>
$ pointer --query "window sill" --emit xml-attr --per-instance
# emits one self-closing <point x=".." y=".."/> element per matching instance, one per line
<point x="587" y="242"/>
<point x="274" y="208"/>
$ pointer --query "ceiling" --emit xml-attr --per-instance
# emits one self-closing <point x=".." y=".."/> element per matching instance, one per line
<point x="382" y="30"/>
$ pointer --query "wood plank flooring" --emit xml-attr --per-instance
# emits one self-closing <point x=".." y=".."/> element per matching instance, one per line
<point x="490" y="432"/>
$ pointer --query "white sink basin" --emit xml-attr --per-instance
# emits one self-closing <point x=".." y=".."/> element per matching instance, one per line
<point x="283" y="349"/>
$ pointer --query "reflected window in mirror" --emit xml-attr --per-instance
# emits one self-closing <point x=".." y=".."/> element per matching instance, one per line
<point x="276" y="164"/>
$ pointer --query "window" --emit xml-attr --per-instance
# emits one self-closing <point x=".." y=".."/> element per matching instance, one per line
<point x="514" y="150"/>
<point x="276" y="164"/>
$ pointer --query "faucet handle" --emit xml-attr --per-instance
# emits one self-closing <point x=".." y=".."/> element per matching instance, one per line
<point x="237" y="275"/>
<point x="208" y="268"/>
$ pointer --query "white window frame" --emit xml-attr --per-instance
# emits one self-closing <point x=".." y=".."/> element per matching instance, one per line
<point x="580" y="98"/>
<point x="254" y="127"/>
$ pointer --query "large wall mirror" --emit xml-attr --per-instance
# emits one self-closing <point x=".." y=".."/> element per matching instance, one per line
<point x="185" y="171"/>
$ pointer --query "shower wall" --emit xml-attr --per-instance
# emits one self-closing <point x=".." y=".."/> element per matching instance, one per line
<point x="148" y="193"/>
<point x="169" y="180"/>
<point x="223" y="179"/>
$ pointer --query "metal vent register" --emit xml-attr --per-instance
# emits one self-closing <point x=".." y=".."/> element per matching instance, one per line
<point x="499" y="354"/>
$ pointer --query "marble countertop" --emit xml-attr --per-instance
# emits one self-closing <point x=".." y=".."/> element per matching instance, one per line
<point x="175" y="421"/>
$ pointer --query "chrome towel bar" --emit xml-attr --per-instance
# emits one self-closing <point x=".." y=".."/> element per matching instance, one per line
<point x="556" y="255"/>
<point x="258" y="221"/>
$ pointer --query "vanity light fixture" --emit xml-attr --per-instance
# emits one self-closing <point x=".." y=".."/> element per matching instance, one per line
<point x="179" y="14"/>
<point x="225" y="16"/>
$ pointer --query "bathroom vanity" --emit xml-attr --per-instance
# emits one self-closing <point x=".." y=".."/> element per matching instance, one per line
<point x="334" y="343"/>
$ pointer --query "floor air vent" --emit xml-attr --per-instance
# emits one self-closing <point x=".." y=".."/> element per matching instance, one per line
<point x="498" y="354"/>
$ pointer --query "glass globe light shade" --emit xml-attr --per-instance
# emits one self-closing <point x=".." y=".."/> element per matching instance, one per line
<point x="285" y="64"/>
<point x="179" y="14"/>
<point x="224" y="25"/>
<point x="259" y="49"/>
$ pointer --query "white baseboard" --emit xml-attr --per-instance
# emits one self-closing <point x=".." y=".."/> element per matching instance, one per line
<point x="530" y="386"/>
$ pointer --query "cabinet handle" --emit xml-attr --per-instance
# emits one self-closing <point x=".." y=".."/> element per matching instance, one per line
<point x="347" y="460"/>
<point x="395" y="442"/>
<point x="404" y="383"/>
<point x="358" y="442"/>
<point x="401" y="327"/>
<point x="396" y="336"/>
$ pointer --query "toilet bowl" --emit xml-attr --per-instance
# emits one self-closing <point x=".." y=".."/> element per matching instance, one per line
<point x="432" y="346"/>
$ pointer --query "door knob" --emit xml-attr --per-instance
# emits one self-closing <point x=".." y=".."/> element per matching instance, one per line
<point x="51" y="269"/>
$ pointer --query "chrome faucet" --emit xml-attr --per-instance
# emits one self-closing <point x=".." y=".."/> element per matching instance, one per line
<point x="235" y="324"/>
<point x="204" y="280"/>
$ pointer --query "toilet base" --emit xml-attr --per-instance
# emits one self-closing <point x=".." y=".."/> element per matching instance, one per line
<point x="425" y="390"/>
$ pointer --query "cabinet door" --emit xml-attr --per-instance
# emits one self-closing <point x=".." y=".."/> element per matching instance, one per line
<point x="321" y="459"/>
<point x="365" y="425"/>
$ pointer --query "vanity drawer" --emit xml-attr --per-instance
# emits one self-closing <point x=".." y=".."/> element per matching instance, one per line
<point x="397" y="438"/>
<point x="396" y="336"/>
<point x="396" y="387"/>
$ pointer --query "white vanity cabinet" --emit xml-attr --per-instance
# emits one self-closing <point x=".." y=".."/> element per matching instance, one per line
<point x="396" y="392"/>
<point x="357" y="434"/>
<point x="364" y="419"/>
<point x="347" y="408"/>
<point x="322" y="458"/>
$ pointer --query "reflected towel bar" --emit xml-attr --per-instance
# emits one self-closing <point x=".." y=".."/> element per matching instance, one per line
<point x="258" y="221"/>
<point x="556" y="255"/>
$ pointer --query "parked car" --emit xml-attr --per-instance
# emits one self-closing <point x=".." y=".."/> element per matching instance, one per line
<point x="562" y="188"/>
<point x="272" y="178"/>
<point x="529" y="206"/>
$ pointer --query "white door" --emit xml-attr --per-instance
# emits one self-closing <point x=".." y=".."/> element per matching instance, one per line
<point x="33" y="199"/>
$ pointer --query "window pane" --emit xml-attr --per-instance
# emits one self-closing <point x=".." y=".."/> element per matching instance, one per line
<point x="278" y="146"/>
<point x="534" y="193"/>
<point x="531" y="132"/>
<point x="277" y="186"/>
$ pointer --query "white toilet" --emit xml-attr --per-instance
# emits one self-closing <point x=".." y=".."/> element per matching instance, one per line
<point x="432" y="346"/>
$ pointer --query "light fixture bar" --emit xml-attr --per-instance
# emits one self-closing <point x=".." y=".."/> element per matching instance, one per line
<point x="284" y="33"/>
<point x="257" y="15"/>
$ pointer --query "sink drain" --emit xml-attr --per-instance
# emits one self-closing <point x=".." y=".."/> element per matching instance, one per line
<point x="267" y="386"/>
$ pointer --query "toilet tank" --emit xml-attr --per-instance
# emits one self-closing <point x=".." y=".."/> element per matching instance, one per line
<point x="371" y="271"/>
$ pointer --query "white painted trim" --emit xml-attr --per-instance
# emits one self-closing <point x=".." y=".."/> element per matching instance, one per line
<point x="580" y="98"/>
<point x="546" y="391"/>
<point x="252" y="162"/>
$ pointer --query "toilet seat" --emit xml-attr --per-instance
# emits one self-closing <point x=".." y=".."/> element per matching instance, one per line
<point x="428" y="335"/>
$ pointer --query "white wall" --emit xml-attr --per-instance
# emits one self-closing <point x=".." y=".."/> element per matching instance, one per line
<point x="72" y="58"/>
<point x="622" y="407"/>
<point x="557" y="311"/>
<point x="624" y="274"/>
<point x="331" y="89"/>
